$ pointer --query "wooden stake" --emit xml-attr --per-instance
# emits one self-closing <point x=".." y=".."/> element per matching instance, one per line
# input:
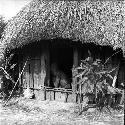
<point x="47" y="60"/>
<point x="75" y="64"/>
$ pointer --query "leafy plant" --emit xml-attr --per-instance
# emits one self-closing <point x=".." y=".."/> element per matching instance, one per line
<point x="92" y="79"/>
<point x="7" y="81"/>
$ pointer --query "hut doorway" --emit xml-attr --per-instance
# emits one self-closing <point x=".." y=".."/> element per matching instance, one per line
<point x="61" y="62"/>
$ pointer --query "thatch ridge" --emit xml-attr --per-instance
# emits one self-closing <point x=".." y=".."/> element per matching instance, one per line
<point x="101" y="22"/>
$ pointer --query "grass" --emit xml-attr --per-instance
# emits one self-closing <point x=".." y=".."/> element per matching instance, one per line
<point x="20" y="111"/>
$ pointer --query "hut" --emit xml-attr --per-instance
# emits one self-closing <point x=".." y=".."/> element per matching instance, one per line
<point x="61" y="33"/>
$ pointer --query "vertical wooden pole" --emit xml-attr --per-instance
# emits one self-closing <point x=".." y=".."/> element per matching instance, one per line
<point x="75" y="64"/>
<point x="47" y="67"/>
<point x="123" y="79"/>
<point x="43" y="69"/>
<point x="29" y="75"/>
<point x="20" y="80"/>
<point x="80" y="98"/>
<point x="122" y="98"/>
<point x="47" y="60"/>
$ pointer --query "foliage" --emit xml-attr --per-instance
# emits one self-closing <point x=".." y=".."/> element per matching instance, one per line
<point x="6" y="81"/>
<point x="93" y="77"/>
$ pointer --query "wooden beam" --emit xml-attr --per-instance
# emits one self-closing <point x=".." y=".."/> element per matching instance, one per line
<point x="20" y="68"/>
<point x="47" y="65"/>
<point x="75" y="64"/>
<point x="43" y="68"/>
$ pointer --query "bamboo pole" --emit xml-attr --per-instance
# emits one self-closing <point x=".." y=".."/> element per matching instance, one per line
<point x="7" y="74"/>
<point x="80" y="97"/>
<point x="17" y="81"/>
<point x="122" y="98"/>
<point x="115" y="77"/>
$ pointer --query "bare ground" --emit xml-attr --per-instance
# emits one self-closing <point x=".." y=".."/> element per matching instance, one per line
<point x="33" y="112"/>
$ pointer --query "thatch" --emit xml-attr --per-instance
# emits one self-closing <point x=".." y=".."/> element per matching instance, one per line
<point x="100" y="22"/>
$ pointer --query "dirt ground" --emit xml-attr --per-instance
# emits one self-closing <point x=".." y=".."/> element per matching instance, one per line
<point x="33" y="112"/>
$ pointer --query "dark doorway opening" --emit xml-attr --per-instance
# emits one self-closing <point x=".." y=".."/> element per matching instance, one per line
<point x="61" y="56"/>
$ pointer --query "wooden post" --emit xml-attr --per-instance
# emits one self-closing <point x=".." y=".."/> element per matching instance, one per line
<point x="20" y="69"/>
<point x="123" y="94"/>
<point x="43" y="69"/>
<point x="47" y="60"/>
<point x="75" y="64"/>
<point x="29" y="69"/>
<point x="122" y="98"/>
<point x="45" y="65"/>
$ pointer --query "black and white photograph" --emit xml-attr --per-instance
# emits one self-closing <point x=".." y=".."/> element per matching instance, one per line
<point x="62" y="62"/>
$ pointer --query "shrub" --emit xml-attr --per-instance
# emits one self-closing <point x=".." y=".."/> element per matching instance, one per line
<point x="93" y="79"/>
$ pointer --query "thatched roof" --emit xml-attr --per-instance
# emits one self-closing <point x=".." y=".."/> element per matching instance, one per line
<point x="100" y="22"/>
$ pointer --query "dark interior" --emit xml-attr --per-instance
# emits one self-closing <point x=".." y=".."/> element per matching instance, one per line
<point x="61" y="53"/>
<point x="62" y="56"/>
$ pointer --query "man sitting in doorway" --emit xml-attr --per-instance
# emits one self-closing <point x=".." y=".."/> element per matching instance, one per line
<point x="59" y="78"/>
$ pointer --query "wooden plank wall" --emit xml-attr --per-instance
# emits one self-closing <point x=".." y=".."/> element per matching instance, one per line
<point x="47" y="66"/>
<point x="43" y="69"/>
<point x="25" y="77"/>
<point x="32" y="74"/>
<point x="35" y="71"/>
<point x="38" y="67"/>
